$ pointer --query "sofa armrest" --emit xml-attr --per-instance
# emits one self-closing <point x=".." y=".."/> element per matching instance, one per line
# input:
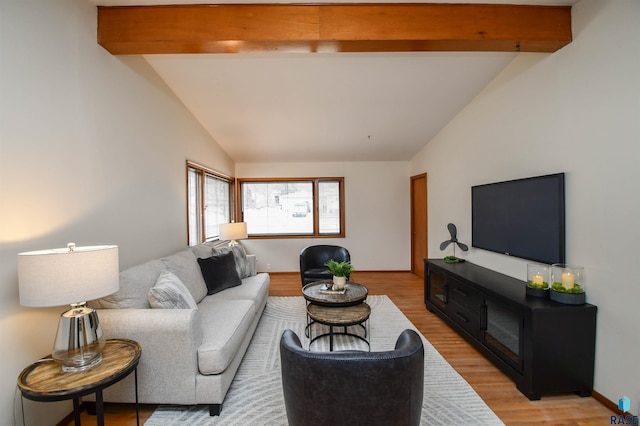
<point x="154" y="329"/>
<point x="252" y="262"/>
<point x="168" y="337"/>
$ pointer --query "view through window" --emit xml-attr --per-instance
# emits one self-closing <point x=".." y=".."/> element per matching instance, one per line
<point x="309" y="206"/>
<point x="209" y="202"/>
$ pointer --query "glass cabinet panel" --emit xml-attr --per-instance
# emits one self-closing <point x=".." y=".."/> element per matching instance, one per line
<point x="437" y="288"/>
<point x="503" y="331"/>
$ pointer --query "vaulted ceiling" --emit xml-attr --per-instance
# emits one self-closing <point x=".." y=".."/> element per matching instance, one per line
<point x="316" y="83"/>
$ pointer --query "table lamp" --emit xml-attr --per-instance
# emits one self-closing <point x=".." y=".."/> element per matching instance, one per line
<point x="72" y="276"/>
<point x="233" y="231"/>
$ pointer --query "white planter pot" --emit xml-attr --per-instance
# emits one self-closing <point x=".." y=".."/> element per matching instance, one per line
<point x="339" y="282"/>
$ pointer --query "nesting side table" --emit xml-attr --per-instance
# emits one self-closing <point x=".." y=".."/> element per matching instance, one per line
<point x="336" y="310"/>
<point x="339" y="317"/>
<point x="44" y="380"/>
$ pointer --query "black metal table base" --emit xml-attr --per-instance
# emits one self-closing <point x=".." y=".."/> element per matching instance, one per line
<point x="332" y="333"/>
<point x="96" y="408"/>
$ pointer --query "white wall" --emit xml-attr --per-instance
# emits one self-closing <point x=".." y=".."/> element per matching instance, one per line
<point x="92" y="150"/>
<point x="575" y="111"/>
<point x="377" y="214"/>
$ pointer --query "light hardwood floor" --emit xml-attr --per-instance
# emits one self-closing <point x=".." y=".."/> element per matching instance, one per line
<point x="495" y="388"/>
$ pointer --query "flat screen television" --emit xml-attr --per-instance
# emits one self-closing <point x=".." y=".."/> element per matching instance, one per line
<point x="522" y="218"/>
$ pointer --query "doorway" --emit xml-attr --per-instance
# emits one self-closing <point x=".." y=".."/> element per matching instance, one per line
<point x="418" y="223"/>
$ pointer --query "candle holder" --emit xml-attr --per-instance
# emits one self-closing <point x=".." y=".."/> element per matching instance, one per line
<point x="538" y="280"/>
<point x="568" y="284"/>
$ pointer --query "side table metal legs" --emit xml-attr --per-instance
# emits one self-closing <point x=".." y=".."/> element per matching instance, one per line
<point x="135" y="378"/>
<point x="76" y="411"/>
<point x="99" y="408"/>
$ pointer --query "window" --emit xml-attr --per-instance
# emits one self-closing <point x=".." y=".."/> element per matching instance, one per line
<point x="293" y="207"/>
<point x="209" y="202"/>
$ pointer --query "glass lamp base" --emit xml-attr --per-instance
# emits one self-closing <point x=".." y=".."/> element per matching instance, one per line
<point x="80" y="363"/>
<point x="79" y="341"/>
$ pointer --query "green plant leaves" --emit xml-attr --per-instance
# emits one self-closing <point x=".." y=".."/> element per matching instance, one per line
<point x="339" y="269"/>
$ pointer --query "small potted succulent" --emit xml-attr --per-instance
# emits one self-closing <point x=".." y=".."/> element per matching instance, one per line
<point x="340" y="271"/>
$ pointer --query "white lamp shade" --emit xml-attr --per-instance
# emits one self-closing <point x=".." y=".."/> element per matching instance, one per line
<point x="62" y="276"/>
<point x="233" y="231"/>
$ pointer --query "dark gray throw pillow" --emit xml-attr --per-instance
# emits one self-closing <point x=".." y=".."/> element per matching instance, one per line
<point x="219" y="272"/>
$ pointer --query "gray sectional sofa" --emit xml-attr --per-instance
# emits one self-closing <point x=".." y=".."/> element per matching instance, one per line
<point x="191" y="349"/>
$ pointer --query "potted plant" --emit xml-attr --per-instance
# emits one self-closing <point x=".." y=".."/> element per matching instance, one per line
<point x="340" y="271"/>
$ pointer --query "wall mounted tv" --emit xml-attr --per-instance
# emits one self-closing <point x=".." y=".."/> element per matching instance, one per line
<point x="522" y="218"/>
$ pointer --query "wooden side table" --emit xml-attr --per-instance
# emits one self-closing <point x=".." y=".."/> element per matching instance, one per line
<point x="44" y="380"/>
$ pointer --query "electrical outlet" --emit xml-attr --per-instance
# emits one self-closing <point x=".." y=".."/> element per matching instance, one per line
<point x="268" y="266"/>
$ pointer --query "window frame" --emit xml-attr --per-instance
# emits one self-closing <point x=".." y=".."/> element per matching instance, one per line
<point x="316" y="217"/>
<point x="204" y="172"/>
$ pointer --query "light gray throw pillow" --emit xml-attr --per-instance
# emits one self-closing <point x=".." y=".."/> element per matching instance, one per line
<point x="170" y="293"/>
<point x="202" y="251"/>
<point x="239" y="255"/>
<point x="135" y="283"/>
<point x="185" y="266"/>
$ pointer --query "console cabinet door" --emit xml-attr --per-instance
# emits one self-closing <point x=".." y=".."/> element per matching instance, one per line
<point x="436" y="290"/>
<point x="502" y="332"/>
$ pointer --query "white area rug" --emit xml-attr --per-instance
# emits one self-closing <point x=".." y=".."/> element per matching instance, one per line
<point x="255" y="396"/>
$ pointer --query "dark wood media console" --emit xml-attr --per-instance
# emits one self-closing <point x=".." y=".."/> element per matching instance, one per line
<point x="544" y="346"/>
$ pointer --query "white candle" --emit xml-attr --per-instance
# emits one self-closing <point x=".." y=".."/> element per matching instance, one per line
<point x="567" y="280"/>
<point x="537" y="279"/>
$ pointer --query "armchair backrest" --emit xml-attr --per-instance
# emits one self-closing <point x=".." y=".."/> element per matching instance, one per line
<point x="314" y="257"/>
<point x="353" y="387"/>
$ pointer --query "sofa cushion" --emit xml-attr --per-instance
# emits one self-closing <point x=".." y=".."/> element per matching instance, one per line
<point x="219" y="272"/>
<point x="185" y="266"/>
<point x="239" y="255"/>
<point x="254" y="288"/>
<point x="225" y="324"/>
<point x="135" y="283"/>
<point x="170" y="293"/>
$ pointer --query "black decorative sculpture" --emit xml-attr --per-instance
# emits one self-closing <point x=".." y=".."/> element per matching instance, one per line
<point x="454" y="239"/>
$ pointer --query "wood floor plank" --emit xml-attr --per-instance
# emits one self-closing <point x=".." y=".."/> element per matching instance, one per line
<point x="494" y="387"/>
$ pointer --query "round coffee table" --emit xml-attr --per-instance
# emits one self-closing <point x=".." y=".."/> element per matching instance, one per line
<point x="319" y="293"/>
<point x="336" y="309"/>
<point x="346" y="316"/>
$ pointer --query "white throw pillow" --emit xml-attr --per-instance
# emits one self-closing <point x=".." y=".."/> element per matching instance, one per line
<point x="170" y="293"/>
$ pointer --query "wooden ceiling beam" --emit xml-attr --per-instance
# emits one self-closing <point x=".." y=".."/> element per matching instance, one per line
<point x="232" y="28"/>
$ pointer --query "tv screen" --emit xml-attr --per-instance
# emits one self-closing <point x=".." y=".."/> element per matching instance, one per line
<point x="522" y="218"/>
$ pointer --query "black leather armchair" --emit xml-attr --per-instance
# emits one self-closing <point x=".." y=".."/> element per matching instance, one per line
<point x="313" y="258"/>
<point x="352" y="387"/>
